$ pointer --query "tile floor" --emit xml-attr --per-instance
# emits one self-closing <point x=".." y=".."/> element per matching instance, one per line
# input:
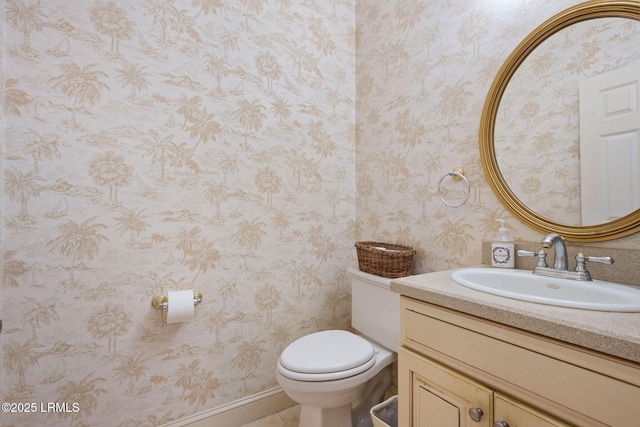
<point x="289" y="417"/>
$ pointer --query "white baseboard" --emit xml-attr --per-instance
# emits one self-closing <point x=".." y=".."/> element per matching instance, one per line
<point x="240" y="412"/>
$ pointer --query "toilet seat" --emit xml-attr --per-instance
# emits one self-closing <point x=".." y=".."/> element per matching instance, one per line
<point x="326" y="356"/>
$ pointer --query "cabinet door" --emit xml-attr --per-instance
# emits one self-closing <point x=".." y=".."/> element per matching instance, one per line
<point x="440" y="397"/>
<point x="515" y="414"/>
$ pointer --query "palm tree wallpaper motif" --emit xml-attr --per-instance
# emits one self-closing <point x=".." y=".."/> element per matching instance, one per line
<point x="112" y="21"/>
<point x="133" y="75"/>
<point x="79" y="241"/>
<point x="238" y="149"/>
<point x="14" y="98"/>
<point x="132" y="368"/>
<point x="26" y="18"/>
<point x="18" y="358"/>
<point x="37" y="313"/>
<point x="109" y="323"/>
<point x="81" y="84"/>
<point x="85" y="393"/>
<point x="22" y="187"/>
<point x="111" y="170"/>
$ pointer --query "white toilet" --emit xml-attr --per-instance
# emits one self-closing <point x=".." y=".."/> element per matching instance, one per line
<point x="337" y="376"/>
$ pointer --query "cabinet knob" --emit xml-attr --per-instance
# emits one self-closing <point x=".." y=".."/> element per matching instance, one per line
<point x="476" y="414"/>
<point x="500" y="424"/>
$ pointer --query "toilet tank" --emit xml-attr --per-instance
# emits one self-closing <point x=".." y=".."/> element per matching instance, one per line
<point x="375" y="308"/>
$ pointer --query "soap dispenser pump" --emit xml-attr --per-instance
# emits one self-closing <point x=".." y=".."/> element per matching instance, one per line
<point x="502" y="248"/>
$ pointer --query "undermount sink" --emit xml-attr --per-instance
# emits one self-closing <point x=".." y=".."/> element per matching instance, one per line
<point x="526" y="286"/>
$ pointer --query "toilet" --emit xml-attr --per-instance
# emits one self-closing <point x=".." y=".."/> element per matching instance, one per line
<point x="337" y="376"/>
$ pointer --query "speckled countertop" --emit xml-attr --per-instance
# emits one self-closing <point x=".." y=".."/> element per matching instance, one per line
<point x="617" y="334"/>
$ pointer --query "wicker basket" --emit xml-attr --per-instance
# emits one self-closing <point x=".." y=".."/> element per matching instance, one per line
<point x="385" y="259"/>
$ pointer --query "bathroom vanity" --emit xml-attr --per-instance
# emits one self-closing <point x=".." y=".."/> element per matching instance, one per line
<point x="469" y="358"/>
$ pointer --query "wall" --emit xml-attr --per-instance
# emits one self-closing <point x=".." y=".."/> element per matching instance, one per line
<point x="231" y="172"/>
<point x="424" y="70"/>
<point x="157" y="145"/>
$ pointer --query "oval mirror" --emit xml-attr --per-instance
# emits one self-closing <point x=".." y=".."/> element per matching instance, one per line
<point x="549" y="198"/>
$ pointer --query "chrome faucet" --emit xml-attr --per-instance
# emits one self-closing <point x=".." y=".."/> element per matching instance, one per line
<point x="559" y="249"/>
<point x="560" y="265"/>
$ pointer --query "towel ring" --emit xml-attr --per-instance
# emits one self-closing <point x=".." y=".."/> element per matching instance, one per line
<point x="457" y="174"/>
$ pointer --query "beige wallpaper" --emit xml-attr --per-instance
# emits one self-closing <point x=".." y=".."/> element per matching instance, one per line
<point x="424" y="69"/>
<point x="157" y="145"/>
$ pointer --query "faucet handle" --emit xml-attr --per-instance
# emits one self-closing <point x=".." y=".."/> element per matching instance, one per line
<point x="600" y="259"/>
<point x="542" y="256"/>
<point x="581" y="260"/>
<point x="581" y="268"/>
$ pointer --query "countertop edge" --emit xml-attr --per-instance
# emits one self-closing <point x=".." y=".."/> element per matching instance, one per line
<point x="587" y="329"/>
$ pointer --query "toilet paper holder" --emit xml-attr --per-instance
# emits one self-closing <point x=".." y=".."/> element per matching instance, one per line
<point x="160" y="301"/>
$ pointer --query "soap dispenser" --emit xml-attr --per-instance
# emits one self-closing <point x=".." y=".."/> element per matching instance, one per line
<point x="502" y="248"/>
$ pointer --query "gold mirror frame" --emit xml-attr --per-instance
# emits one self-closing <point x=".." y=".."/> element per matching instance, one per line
<point x="621" y="227"/>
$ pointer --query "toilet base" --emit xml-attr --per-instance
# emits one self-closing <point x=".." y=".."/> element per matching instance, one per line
<point x="373" y="394"/>
<point x="325" y="417"/>
<point x="345" y="415"/>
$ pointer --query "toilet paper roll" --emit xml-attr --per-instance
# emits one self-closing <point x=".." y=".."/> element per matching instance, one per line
<point x="180" y="306"/>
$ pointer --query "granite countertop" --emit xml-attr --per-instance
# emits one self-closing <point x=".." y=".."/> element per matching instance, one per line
<point x="616" y="334"/>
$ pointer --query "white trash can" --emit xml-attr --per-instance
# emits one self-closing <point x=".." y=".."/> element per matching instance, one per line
<point x="385" y="414"/>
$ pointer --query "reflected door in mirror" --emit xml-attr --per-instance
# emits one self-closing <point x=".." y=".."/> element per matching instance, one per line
<point x="610" y="144"/>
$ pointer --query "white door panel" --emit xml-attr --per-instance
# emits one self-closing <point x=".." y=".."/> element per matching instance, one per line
<point x="610" y="145"/>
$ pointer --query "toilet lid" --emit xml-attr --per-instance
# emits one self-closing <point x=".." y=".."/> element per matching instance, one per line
<point x="326" y="352"/>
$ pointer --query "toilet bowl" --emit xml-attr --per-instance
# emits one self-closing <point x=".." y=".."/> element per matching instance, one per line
<point x="337" y="376"/>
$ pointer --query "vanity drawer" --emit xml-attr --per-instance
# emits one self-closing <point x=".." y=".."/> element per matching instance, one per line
<point x="548" y="372"/>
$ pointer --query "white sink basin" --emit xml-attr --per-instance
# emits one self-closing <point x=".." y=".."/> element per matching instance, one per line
<point x="526" y="286"/>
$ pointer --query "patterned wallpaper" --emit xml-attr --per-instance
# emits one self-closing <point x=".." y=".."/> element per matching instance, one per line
<point x="157" y="145"/>
<point x="424" y="69"/>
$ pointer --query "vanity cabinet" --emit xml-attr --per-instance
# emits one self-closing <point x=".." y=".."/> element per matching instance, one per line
<point x="509" y="412"/>
<point x="459" y="370"/>
<point x="440" y="396"/>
